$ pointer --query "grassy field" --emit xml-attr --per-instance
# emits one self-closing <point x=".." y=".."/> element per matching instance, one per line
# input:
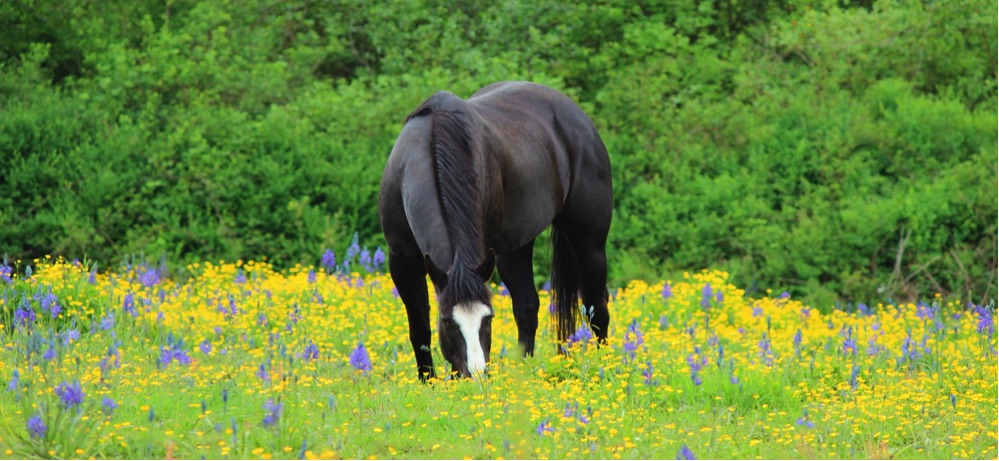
<point x="240" y="361"/>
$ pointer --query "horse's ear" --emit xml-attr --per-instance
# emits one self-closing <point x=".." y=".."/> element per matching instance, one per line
<point x="437" y="276"/>
<point x="485" y="271"/>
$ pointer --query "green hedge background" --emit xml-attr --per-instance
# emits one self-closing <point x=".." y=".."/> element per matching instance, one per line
<point x="840" y="150"/>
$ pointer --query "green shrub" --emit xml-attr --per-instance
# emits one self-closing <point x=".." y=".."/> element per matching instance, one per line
<point x="837" y="152"/>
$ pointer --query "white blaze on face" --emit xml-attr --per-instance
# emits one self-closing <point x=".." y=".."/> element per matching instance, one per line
<point x="469" y="317"/>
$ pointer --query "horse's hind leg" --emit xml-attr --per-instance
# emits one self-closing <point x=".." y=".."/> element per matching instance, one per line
<point x="517" y="271"/>
<point x="409" y="276"/>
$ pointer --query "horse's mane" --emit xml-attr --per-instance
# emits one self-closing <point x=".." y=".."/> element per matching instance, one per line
<point x="458" y="195"/>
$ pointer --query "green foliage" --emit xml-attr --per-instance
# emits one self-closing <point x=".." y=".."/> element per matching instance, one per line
<point x="839" y="151"/>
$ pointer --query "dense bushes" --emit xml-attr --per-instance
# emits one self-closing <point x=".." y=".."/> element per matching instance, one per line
<point x="839" y="152"/>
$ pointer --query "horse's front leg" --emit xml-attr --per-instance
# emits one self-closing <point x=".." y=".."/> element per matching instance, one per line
<point x="409" y="275"/>
<point x="517" y="271"/>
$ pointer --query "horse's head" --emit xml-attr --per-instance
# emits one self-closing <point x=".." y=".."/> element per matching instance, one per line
<point x="466" y="336"/>
<point x="465" y="316"/>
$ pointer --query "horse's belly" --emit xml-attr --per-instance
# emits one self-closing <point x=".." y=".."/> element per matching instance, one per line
<point x="531" y="202"/>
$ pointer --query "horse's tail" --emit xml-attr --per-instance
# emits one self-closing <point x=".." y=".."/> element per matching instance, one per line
<point x="566" y="284"/>
<point x="458" y="194"/>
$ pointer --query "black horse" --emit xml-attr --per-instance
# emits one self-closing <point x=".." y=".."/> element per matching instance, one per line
<point x="470" y="184"/>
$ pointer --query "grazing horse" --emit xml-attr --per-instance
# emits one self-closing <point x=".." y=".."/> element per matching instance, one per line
<point x="470" y="184"/>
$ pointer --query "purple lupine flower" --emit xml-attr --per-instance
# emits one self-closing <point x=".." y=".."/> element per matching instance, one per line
<point x="70" y="395"/>
<point x="6" y="271"/>
<point x="502" y="290"/>
<point x="49" y="302"/>
<point x="149" y="277"/>
<point x="757" y="310"/>
<point x="582" y="335"/>
<point x="909" y="353"/>
<point x="873" y="348"/>
<point x="24" y="315"/>
<point x="206" y="347"/>
<point x="240" y="278"/>
<point x="273" y="413"/>
<point x="168" y="355"/>
<point x="92" y="278"/>
<point x="685" y="453"/>
<point x="233" y="310"/>
<point x="924" y="312"/>
<point x="784" y="295"/>
<point x="863" y="309"/>
<point x="719" y="296"/>
<point x="631" y="344"/>
<point x="378" y="260"/>
<point x="667" y="291"/>
<point x="766" y="353"/>
<point x="262" y="319"/>
<point x="551" y="309"/>
<point x="36" y="427"/>
<point x="569" y="411"/>
<point x="663" y="322"/>
<point x="360" y="359"/>
<point x="311" y="278"/>
<point x="544" y="428"/>
<point x="647" y="374"/>
<point x="352" y="251"/>
<point x="262" y="373"/>
<point x="953" y="401"/>
<point x="797" y="342"/>
<point x="108" y="405"/>
<point x="696" y="365"/>
<point x="366" y="260"/>
<point x="849" y="342"/>
<point x="15" y="381"/>
<point x="128" y="305"/>
<point x="107" y="322"/>
<point x="805" y="421"/>
<point x="706" y="296"/>
<point x="49" y="354"/>
<point x="359" y="282"/>
<point x="986" y="323"/>
<point x="174" y="350"/>
<point x="329" y="260"/>
<point x="854" y="375"/>
<point x="311" y="351"/>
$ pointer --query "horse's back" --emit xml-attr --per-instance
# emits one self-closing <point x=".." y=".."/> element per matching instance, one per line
<point x="544" y="146"/>
<point x="547" y="109"/>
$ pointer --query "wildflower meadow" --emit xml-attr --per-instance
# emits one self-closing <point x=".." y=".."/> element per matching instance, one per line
<point x="237" y="360"/>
